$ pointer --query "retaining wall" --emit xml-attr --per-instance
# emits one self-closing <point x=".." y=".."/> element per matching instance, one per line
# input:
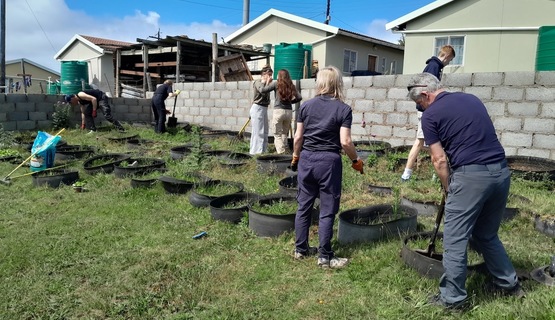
<point x="521" y="105"/>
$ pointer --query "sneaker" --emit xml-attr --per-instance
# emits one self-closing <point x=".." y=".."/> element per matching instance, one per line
<point x="312" y="251"/>
<point x="333" y="263"/>
<point x="91" y="132"/>
<point x="405" y="180"/>
<point x="121" y="129"/>
<point x="435" y="300"/>
<point x="515" y="291"/>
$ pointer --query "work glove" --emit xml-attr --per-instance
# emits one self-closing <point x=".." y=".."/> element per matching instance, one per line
<point x="168" y="111"/>
<point x="177" y="92"/>
<point x="295" y="163"/>
<point x="358" y="165"/>
<point x="94" y="113"/>
<point x="82" y="126"/>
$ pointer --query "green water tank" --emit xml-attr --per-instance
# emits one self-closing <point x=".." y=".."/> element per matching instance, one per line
<point x="291" y="56"/>
<point x="51" y="88"/>
<point x="73" y="73"/>
<point x="545" y="54"/>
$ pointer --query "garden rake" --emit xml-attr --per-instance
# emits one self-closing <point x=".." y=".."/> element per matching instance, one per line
<point x="240" y="135"/>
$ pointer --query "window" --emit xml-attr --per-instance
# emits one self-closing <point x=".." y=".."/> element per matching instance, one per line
<point x="457" y="42"/>
<point x="393" y="67"/>
<point x="349" y="61"/>
<point x="383" y="66"/>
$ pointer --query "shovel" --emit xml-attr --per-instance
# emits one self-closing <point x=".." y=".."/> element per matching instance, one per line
<point x="430" y="252"/>
<point x="172" y="121"/>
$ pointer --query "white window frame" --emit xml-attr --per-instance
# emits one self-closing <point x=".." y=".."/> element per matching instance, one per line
<point x="352" y="64"/>
<point x="393" y="65"/>
<point x="459" y="49"/>
<point x="383" y="62"/>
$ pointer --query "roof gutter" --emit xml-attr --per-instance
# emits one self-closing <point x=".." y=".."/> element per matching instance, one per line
<point x="468" y="30"/>
<point x="324" y="39"/>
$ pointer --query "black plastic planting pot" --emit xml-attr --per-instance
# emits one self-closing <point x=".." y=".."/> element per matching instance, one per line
<point x="366" y="148"/>
<point x="198" y="199"/>
<point x="138" y="166"/>
<point x="532" y="168"/>
<point x="55" y="178"/>
<point x="373" y="223"/>
<point x="122" y="137"/>
<point x="424" y="208"/>
<point x="271" y="225"/>
<point x="224" y="208"/>
<point x="273" y="164"/>
<point x="73" y="152"/>
<point x="108" y="161"/>
<point x="180" y="152"/>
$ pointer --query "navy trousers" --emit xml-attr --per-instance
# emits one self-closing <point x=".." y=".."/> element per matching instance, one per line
<point x="319" y="175"/>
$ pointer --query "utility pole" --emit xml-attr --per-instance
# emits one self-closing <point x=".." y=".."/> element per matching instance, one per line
<point x="246" y="9"/>
<point x="328" y="18"/>
<point x="3" y="47"/>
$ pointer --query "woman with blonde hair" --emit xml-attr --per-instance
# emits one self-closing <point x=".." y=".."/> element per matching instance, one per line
<point x="323" y="129"/>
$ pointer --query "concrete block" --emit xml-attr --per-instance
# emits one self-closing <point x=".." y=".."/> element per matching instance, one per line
<point x="374" y="118"/>
<point x="244" y="103"/>
<point x="37" y="116"/>
<point x="457" y="79"/>
<point x="396" y="119"/>
<point x="380" y="131"/>
<point x="214" y="94"/>
<point x="209" y="111"/>
<point x="245" y="85"/>
<point x="347" y="82"/>
<point x="515" y="139"/>
<point x="195" y="111"/>
<point x="539" y="125"/>
<point x="46" y="125"/>
<point x="204" y="95"/>
<point x="194" y="94"/>
<point x="26" y="125"/>
<point x="130" y="102"/>
<point x="146" y="117"/>
<point x="238" y="94"/>
<point x="523" y="108"/>
<point x="355" y="93"/>
<point x="524" y="78"/>
<point x="45" y="107"/>
<point x="487" y="79"/>
<point x="231" y="121"/>
<point x="495" y="108"/>
<point x="541" y="94"/>
<point x="510" y="151"/>
<point x="384" y="106"/>
<point x="405" y="106"/>
<point x="225" y="94"/>
<point x="544" y="141"/>
<point x="231" y="103"/>
<point x="220" y="122"/>
<point x="363" y="106"/>
<point x="220" y="103"/>
<point x="16" y="98"/>
<point x="3" y="117"/>
<point x="209" y="86"/>
<point x="532" y="152"/>
<point x="209" y="103"/>
<point x="198" y="86"/>
<point x="219" y="85"/>
<point x="376" y="94"/>
<point x="189" y="103"/>
<point x="54" y="98"/>
<point x="129" y="117"/>
<point x="483" y="93"/>
<point x="135" y="109"/>
<point x="403" y="132"/>
<point x="34" y="98"/>
<point x="114" y="101"/>
<point x="25" y="106"/>
<point x="198" y="119"/>
<point x="507" y="124"/>
<point x="545" y="78"/>
<point x="7" y="107"/>
<point x="387" y="81"/>
<point x="2" y="98"/>
<point x="227" y="112"/>
<point x="402" y="80"/>
<point x="398" y="94"/>
<point x="508" y="94"/>
<point x="308" y="84"/>
<point x="362" y="82"/>
<point x="232" y="85"/>
<point x="241" y="113"/>
<point x="18" y="116"/>
<point x="9" y="125"/>
<point x="188" y="86"/>
<point x="547" y="110"/>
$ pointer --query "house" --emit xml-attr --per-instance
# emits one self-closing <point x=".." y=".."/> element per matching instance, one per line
<point x="99" y="53"/>
<point x="330" y="45"/>
<point x="26" y="76"/>
<point x="488" y="35"/>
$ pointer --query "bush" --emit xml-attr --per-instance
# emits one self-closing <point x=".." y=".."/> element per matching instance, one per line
<point x="60" y="117"/>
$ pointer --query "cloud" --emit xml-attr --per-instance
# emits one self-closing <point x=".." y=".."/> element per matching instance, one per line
<point x="376" y="29"/>
<point x="39" y="32"/>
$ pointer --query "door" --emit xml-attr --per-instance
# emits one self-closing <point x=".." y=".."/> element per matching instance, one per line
<point x="372" y="63"/>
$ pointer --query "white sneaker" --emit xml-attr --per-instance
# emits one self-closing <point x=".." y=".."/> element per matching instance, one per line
<point x="91" y="132"/>
<point x="333" y="263"/>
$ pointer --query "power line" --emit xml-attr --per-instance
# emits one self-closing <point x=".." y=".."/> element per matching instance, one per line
<point x="45" y="35"/>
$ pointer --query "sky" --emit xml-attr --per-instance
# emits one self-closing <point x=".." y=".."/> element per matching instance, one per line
<point x="38" y="29"/>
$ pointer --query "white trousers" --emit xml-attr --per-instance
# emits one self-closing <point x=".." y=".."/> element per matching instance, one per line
<point x="259" y="135"/>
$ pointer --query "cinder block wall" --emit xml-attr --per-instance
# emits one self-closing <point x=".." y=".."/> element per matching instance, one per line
<point x="521" y="105"/>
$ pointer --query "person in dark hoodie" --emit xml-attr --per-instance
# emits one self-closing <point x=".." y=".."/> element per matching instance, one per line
<point x="434" y="66"/>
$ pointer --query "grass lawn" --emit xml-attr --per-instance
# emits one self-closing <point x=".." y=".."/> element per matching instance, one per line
<point x="115" y="252"/>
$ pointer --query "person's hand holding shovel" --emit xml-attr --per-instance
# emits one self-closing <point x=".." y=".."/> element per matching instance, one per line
<point x="168" y="111"/>
<point x="358" y="165"/>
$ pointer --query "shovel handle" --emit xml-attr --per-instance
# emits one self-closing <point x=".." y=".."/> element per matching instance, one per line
<point x="439" y="217"/>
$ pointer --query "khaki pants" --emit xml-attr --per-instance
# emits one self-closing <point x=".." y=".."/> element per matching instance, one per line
<point x="281" y="122"/>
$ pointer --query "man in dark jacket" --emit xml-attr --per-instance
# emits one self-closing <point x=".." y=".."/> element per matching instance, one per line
<point x="91" y="100"/>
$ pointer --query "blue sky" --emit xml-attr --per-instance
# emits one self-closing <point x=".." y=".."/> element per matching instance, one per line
<point x="38" y="29"/>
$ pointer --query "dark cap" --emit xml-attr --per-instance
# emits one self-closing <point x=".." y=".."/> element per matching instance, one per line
<point x="67" y="98"/>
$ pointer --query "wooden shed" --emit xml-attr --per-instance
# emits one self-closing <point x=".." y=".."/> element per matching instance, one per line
<point x="142" y="66"/>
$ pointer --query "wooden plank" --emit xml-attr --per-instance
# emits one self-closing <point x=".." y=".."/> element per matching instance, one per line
<point x="156" y="64"/>
<point x="138" y="73"/>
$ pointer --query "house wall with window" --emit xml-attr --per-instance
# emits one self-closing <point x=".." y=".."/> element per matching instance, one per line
<point x="488" y="35"/>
